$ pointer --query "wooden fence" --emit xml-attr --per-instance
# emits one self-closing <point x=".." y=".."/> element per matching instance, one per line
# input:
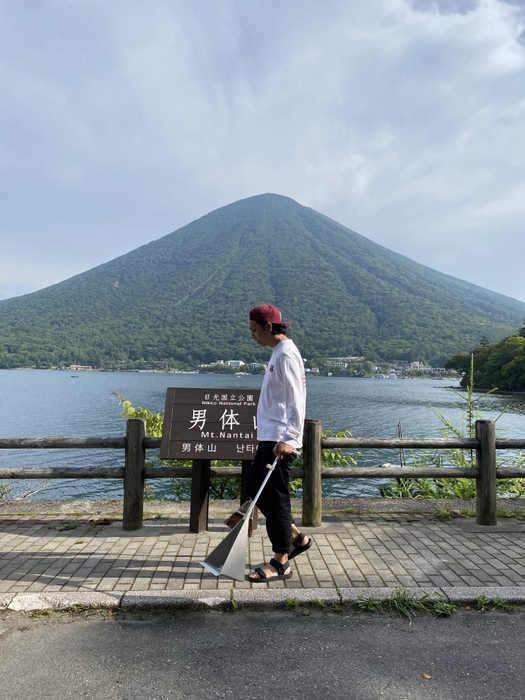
<point x="135" y="472"/>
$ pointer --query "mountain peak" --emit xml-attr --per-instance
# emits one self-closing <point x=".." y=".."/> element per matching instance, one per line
<point x="186" y="296"/>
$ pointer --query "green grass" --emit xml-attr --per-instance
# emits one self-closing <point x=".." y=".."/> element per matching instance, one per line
<point x="402" y="603"/>
<point x="485" y="604"/>
<point x="72" y="610"/>
<point x="443" y="514"/>
<point x="467" y="512"/>
<point x="293" y="605"/>
<point x="504" y="513"/>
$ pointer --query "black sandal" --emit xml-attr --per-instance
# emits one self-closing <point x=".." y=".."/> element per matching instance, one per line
<point x="281" y="573"/>
<point x="299" y="549"/>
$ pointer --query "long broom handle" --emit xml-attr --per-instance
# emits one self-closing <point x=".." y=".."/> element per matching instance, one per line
<point x="270" y="468"/>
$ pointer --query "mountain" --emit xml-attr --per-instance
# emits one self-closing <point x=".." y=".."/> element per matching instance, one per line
<point x="186" y="297"/>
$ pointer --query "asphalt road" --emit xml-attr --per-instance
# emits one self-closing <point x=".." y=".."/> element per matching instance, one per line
<point x="262" y="655"/>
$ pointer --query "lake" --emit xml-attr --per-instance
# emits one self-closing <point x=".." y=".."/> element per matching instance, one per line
<point x="39" y="403"/>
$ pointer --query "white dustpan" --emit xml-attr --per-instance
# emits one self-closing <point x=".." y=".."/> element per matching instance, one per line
<point x="229" y="557"/>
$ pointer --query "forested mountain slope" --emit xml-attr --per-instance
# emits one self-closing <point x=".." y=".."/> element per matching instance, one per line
<point x="187" y="295"/>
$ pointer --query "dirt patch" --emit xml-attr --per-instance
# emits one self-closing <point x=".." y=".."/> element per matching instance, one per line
<point x="157" y="509"/>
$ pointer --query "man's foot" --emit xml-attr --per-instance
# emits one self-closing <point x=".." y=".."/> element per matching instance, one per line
<point x="273" y="571"/>
<point x="300" y="544"/>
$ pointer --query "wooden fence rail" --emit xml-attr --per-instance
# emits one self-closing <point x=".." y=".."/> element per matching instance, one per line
<point x="134" y="472"/>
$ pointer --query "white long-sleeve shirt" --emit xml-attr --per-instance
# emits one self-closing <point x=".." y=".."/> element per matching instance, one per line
<point x="282" y="403"/>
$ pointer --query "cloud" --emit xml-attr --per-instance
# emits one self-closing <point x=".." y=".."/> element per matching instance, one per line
<point x="402" y="120"/>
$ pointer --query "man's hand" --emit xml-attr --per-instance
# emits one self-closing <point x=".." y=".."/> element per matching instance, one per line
<point x="281" y="449"/>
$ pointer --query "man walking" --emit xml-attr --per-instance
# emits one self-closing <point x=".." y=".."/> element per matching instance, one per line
<point x="280" y="422"/>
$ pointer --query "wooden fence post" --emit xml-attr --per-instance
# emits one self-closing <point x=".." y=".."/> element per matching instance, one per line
<point x="200" y="495"/>
<point x="312" y="484"/>
<point x="486" y="481"/>
<point x="134" y="474"/>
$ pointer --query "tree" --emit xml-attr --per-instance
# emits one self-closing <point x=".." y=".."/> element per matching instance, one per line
<point x="504" y="367"/>
<point x="459" y="362"/>
<point x="500" y="365"/>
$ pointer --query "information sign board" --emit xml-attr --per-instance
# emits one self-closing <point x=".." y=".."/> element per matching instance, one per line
<point x="210" y="424"/>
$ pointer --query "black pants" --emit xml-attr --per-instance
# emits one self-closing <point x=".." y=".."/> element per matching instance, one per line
<point x="274" y="501"/>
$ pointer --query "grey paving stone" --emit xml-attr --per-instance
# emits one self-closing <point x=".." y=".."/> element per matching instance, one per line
<point x="503" y="525"/>
<point x="372" y="551"/>
<point x="307" y="582"/>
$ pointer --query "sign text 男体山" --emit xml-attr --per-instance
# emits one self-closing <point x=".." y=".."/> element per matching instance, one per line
<point x="210" y="424"/>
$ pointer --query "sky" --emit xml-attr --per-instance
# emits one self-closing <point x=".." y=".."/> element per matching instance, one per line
<point x="122" y="121"/>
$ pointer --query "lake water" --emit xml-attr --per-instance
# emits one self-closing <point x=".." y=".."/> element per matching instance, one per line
<point x="53" y="403"/>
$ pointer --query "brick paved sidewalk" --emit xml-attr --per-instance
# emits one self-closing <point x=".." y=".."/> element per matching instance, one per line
<point x="86" y="553"/>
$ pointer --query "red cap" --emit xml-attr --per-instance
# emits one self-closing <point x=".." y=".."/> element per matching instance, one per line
<point x="266" y="313"/>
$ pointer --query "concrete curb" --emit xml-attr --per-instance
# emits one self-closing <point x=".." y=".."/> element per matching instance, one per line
<point x="264" y="598"/>
<point x="352" y="595"/>
<point x="26" y="602"/>
<point x="254" y="599"/>
<point x="166" y="599"/>
<point x="512" y="594"/>
<point x="5" y="600"/>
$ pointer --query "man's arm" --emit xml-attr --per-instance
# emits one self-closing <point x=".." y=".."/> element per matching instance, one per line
<point x="292" y="374"/>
